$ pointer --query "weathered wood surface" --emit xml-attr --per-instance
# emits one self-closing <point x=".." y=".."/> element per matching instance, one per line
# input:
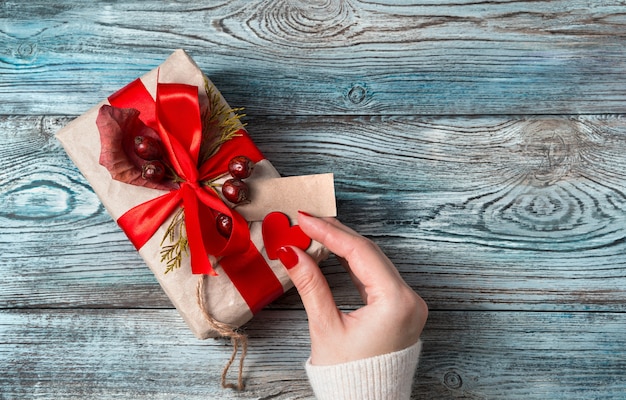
<point x="150" y="354"/>
<point x="457" y="137"/>
<point x="537" y="221"/>
<point x="325" y="57"/>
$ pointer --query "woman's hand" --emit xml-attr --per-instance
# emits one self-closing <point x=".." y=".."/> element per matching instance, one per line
<point x="393" y="316"/>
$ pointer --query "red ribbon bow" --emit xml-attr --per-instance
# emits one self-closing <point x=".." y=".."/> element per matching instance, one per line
<point x="175" y="116"/>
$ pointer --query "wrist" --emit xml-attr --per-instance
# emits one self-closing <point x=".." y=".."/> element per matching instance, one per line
<point x="387" y="376"/>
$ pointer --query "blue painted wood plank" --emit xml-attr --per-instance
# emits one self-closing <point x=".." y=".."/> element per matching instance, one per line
<point x="146" y="354"/>
<point x="356" y="57"/>
<point x="478" y="213"/>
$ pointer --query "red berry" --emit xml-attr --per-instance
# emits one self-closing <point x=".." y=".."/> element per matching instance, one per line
<point x="235" y="191"/>
<point x="240" y="167"/>
<point x="148" y="148"/>
<point x="224" y="224"/>
<point x="153" y="171"/>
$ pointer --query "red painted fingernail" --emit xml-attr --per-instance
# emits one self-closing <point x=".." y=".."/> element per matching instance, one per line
<point x="306" y="214"/>
<point x="288" y="257"/>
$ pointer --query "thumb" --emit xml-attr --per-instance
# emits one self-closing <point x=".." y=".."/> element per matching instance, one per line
<point x="313" y="288"/>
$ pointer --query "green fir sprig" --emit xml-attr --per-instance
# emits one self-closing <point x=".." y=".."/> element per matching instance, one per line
<point x="220" y="123"/>
<point x="176" y="234"/>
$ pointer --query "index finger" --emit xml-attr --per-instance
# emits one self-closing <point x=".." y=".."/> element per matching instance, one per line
<point x="367" y="262"/>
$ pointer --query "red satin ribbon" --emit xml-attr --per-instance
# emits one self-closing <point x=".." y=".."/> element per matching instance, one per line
<point x="175" y="115"/>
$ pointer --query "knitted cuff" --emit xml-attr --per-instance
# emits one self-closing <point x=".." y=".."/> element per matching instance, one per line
<point x="385" y="377"/>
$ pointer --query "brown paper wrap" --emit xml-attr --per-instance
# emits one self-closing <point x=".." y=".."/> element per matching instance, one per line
<point x="313" y="194"/>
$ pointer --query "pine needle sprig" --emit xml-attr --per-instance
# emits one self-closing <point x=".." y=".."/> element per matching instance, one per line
<point x="220" y="123"/>
<point x="176" y="234"/>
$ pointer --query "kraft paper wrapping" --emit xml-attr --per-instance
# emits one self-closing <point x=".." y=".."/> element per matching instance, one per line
<point x="313" y="194"/>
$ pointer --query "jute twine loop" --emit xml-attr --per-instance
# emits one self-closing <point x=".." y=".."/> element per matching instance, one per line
<point x="225" y="330"/>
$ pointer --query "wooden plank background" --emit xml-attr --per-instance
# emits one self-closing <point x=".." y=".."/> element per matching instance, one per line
<point x="481" y="143"/>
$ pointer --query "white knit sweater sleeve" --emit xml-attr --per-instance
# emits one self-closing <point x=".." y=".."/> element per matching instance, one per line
<point x="384" y="377"/>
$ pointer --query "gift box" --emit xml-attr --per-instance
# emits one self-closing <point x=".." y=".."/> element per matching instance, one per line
<point x="213" y="279"/>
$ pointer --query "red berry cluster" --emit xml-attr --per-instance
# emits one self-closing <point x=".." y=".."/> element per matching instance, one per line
<point x="235" y="190"/>
<point x="149" y="149"/>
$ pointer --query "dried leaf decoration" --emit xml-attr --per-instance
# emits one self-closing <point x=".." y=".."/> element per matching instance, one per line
<point x="118" y="128"/>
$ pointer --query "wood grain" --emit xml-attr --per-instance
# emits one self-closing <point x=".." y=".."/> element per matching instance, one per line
<point x="532" y="205"/>
<point x="480" y="143"/>
<point x="140" y="354"/>
<point x="333" y="57"/>
<point x="56" y="236"/>
<point x="536" y="222"/>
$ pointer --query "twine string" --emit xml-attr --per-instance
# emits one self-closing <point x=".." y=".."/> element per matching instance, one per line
<point x="237" y="339"/>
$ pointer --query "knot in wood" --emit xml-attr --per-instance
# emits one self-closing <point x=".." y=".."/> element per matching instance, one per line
<point x="47" y="199"/>
<point x="452" y="380"/>
<point x="357" y="94"/>
<point x="26" y="50"/>
<point x="551" y="149"/>
<point x="305" y="23"/>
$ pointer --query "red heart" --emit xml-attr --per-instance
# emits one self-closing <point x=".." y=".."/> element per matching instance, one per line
<point x="278" y="232"/>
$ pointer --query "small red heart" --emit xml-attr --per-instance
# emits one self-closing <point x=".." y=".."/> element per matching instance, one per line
<point x="278" y="232"/>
